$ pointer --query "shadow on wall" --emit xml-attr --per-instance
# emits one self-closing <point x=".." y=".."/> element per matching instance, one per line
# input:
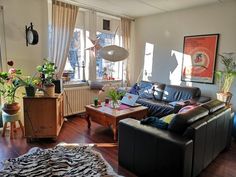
<point x="164" y="68"/>
<point x="175" y="74"/>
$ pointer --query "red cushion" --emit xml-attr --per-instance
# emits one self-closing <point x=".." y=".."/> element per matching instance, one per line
<point x="186" y="108"/>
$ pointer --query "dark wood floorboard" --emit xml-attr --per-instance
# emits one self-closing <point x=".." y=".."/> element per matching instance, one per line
<point x="75" y="131"/>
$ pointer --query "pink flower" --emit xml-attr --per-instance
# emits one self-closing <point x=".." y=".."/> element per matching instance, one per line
<point x="12" y="71"/>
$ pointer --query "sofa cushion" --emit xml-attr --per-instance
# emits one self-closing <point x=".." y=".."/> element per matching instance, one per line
<point x="134" y="89"/>
<point x="167" y="119"/>
<point x="182" y="120"/>
<point x="158" y="90"/>
<point x="156" y="108"/>
<point x="187" y="108"/>
<point x="213" y="105"/>
<point x="178" y="93"/>
<point x="154" y="122"/>
<point x="145" y="90"/>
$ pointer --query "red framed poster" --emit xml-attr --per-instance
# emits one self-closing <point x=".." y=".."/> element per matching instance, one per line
<point x="199" y="58"/>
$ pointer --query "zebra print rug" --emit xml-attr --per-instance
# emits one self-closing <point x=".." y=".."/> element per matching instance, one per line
<point x="62" y="160"/>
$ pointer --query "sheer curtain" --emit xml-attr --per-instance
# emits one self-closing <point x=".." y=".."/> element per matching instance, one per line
<point x="126" y="40"/>
<point x="63" y="24"/>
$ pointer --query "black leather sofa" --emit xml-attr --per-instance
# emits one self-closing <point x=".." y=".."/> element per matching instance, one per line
<point x="149" y="151"/>
<point x="162" y="99"/>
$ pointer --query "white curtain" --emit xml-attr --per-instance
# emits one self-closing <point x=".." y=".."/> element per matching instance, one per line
<point x="63" y="24"/>
<point x="3" y="57"/>
<point x="126" y="40"/>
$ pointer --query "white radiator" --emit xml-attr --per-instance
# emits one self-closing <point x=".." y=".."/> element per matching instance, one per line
<point x="75" y="98"/>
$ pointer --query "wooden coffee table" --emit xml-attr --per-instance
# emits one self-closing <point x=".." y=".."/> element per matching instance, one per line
<point x="109" y="117"/>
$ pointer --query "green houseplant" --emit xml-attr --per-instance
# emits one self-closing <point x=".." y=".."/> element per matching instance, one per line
<point x="9" y="83"/>
<point x="225" y="77"/>
<point x="115" y="96"/>
<point x="47" y="72"/>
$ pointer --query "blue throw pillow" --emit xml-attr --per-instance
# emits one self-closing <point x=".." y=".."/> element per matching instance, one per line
<point x="155" y="122"/>
<point x="134" y="89"/>
<point x="146" y="90"/>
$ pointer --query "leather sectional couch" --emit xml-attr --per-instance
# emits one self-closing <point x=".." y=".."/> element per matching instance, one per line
<point x="163" y="99"/>
<point x="185" y="152"/>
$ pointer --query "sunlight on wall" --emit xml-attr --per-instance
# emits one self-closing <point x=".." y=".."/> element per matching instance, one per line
<point x="148" y="62"/>
<point x="175" y="76"/>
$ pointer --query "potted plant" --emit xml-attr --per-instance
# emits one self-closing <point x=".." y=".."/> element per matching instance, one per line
<point x="226" y="77"/>
<point x="115" y="96"/>
<point x="9" y="83"/>
<point x="30" y="83"/>
<point x="47" y="71"/>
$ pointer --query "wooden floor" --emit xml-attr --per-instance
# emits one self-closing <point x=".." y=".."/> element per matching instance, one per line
<point x="75" y="131"/>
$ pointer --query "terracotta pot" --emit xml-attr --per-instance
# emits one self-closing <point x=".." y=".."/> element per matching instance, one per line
<point x="224" y="97"/>
<point x="49" y="90"/>
<point x="11" y="108"/>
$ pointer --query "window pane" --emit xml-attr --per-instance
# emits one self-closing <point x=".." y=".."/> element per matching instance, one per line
<point x="107" y="70"/>
<point x="75" y="59"/>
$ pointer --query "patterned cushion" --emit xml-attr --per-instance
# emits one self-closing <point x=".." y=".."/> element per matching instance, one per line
<point x="146" y="90"/>
<point x="167" y="119"/>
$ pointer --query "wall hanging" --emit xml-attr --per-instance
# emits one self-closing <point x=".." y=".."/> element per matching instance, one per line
<point x="199" y="56"/>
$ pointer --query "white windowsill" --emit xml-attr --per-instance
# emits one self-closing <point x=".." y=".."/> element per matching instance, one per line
<point x="81" y="84"/>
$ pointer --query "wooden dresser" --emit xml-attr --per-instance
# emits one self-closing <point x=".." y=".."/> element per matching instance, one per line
<point x="43" y="116"/>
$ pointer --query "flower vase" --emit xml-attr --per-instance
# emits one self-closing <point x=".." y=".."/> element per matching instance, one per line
<point x="115" y="104"/>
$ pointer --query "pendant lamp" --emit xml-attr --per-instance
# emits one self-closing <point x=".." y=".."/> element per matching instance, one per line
<point x="113" y="53"/>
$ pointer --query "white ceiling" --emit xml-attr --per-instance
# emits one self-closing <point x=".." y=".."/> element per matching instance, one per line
<point x="138" y="8"/>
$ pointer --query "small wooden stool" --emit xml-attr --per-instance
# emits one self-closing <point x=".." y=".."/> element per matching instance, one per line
<point x="12" y="119"/>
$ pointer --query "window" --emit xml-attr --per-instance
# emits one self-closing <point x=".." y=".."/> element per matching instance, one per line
<point x="107" y="70"/>
<point x="75" y="60"/>
<point x="79" y="54"/>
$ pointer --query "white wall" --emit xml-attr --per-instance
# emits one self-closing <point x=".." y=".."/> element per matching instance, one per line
<point x="17" y="14"/>
<point x="166" y="31"/>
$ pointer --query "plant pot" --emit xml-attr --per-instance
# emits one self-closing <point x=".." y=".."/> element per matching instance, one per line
<point x="224" y="97"/>
<point x="11" y="108"/>
<point x="30" y="91"/>
<point x="49" y="90"/>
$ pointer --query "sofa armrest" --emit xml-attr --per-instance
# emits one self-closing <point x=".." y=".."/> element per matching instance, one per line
<point x="149" y="151"/>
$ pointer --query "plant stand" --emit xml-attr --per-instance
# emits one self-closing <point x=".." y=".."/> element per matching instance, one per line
<point x="12" y="119"/>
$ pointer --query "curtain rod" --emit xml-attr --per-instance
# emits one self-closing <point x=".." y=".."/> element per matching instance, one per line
<point x="94" y="9"/>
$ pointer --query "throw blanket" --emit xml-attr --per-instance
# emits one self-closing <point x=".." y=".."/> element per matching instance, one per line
<point x="61" y="160"/>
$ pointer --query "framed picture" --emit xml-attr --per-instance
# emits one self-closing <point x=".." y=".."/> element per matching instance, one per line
<point x="199" y="58"/>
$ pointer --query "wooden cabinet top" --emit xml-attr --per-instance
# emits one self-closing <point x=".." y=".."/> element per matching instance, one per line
<point x="43" y="97"/>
